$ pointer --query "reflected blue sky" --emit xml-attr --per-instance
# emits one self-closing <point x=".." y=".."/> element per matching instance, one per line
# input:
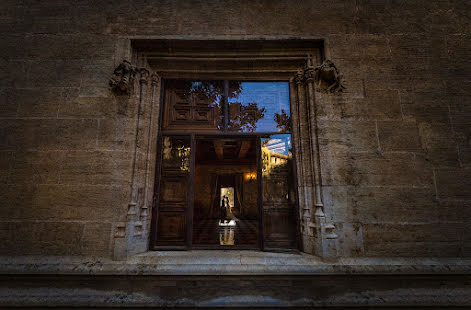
<point x="280" y="144"/>
<point x="273" y="97"/>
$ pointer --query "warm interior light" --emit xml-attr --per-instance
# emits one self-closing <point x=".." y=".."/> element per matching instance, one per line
<point x="251" y="176"/>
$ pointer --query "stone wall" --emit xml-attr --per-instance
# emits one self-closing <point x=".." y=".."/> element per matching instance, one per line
<point x="395" y="146"/>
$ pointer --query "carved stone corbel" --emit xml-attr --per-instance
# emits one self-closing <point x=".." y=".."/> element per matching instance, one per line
<point x="123" y="77"/>
<point x="144" y="75"/>
<point x="327" y="78"/>
<point x="299" y="78"/>
<point x="154" y="78"/>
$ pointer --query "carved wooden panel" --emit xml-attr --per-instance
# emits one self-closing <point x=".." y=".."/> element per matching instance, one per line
<point x="173" y="189"/>
<point x="187" y="107"/>
<point x="173" y="192"/>
<point x="171" y="228"/>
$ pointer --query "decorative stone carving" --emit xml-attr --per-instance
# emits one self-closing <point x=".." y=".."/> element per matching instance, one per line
<point x="123" y="77"/>
<point x="327" y="78"/>
<point x="120" y="230"/>
<point x="144" y="75"/>
<point x="154" y="78"/>
<point x="299" y="77"/>
<point x="138" y="228"/>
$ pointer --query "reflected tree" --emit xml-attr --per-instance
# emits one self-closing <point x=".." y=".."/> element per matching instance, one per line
<point x="209" y="89"/>
<point x="283" y="121"/>
<point x="245" y="117"/>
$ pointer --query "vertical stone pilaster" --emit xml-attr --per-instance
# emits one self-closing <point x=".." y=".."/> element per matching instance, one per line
<point x="318" y="234"/>
<point x="152" y="129"/>
<point x="131" y="236"/>
<point x="302" y="207"/>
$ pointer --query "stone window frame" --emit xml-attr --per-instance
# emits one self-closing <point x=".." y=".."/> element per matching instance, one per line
<point x="138" y="80"/>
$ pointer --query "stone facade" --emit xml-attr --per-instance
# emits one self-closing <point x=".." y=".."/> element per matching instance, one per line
<point x="394" y="144"/>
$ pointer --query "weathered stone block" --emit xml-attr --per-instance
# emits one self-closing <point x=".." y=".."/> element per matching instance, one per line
<point x="377" y="105"/>
<point x="455" y="211"/>
<point x="48" y="134"/>
<point x="6" y="159"/>
<point x="406" y="46"/>
<point x="97" y="73"/>
<point x="36" y="167"/>
<point x="13" y="46"/>
<point x="96" y="239"/>
<point x="439" y="143"/>
<point x="116" y="134"/>
<point x="413" y="249"/>
<point x="8" y="107"/>
<point x="13" y="73"/>
<point x="407" y="232"/>
<point x="350" y="135"/>
<point x="358" y="46"/>
<point x="396" y="169"/>
<point x="453" y="183"/>
<point x="460" y="113"/>
<point x="350" y="240"/>
<point x="96" y="167"/>
<point x="38" y="102"/>
<point x="392" y="204"/>
<point x="69" y="46"/>
<point x="42" y="238"/>
<point x="74" y="105"/>
<point x="55" y="73"/>
<point x="398" y="136"/>
<point x="424" y="107"/>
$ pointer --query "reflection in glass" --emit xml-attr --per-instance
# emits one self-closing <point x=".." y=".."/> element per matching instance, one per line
<point x="176" y="153"/>
<point x="277" y="168"/>
<point x="278" y="196"/>
<point x="259" y="107"/>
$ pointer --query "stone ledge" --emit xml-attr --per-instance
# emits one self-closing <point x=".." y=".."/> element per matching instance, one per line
<point x="238" y="263"/>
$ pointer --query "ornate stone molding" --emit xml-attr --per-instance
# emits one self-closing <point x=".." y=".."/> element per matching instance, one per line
<point x="327" y="78"/>
<point x="144" y="75"/>
<point x="308" y="80"/>
<point x="154" y="79"/>
<point x="123" y="77"/>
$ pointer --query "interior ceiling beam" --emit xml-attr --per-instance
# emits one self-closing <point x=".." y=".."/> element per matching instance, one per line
<point x="244" y="148"/>
<point x="219" y="148"/>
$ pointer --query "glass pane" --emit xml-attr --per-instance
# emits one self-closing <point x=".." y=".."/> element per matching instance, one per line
<point x="176" y="153"/>
<point x="193" y="104"/>
<point x="277" y="169"/>
<point x="279" y="212"/>
<point x="259" y="107"/>
<point x="226" y="210"/>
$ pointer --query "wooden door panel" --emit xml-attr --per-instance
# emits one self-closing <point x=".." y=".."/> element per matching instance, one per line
<point x="279" y="226"/>
<point x="186" y="108"/>
<point x="171" y="228"/>
<point x="180" y="114"/>
<point x="173" y="193"/>
<point x="173" y="207"/>
<point x="278" y="194"/>
<point x="173" y="189"/>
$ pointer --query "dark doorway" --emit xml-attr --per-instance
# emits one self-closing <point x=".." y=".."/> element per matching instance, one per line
<point x="225" y="193"/>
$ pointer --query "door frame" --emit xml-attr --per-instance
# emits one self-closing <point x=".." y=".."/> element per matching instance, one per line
<point x="190" y="200"/>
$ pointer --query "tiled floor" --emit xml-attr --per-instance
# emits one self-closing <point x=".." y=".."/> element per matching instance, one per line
<point x="238" y="233"/>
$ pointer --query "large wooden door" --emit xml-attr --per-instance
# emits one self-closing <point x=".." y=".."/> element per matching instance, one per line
<point x="174" y="193"/>
<point x="233" y="113"/>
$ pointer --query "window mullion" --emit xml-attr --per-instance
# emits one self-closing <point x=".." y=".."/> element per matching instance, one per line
<point x="226" y="105"/>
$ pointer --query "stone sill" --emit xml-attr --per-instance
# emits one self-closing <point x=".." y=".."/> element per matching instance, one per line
<point x="237" y="263"/>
